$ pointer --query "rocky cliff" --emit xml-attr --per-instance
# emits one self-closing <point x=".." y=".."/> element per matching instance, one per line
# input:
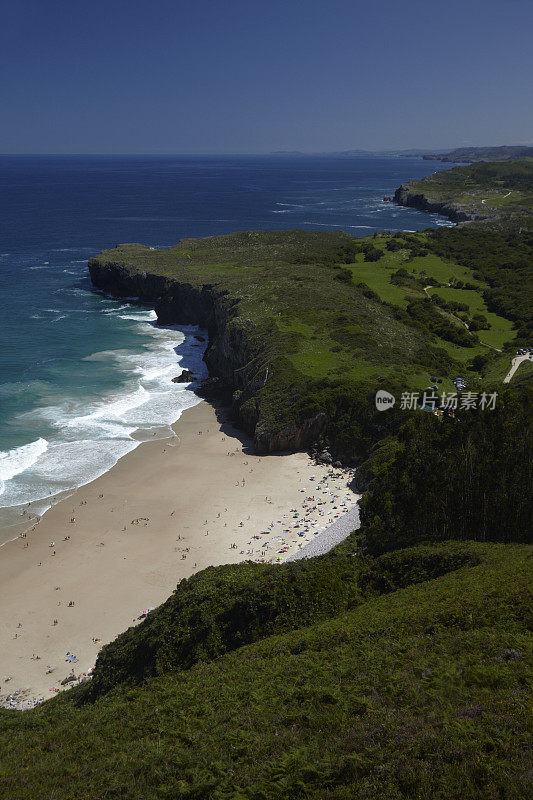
<point x="233" y="350"/>
<point x="406" y="196"/>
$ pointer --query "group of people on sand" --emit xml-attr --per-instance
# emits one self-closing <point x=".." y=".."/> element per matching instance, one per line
<point x="325" y="497"/>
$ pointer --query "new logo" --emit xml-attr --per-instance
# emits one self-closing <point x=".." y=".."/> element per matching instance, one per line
<point x="384" y="400"/>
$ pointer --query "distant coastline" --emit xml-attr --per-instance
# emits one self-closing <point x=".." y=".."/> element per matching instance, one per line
<point x="498" y="194"/>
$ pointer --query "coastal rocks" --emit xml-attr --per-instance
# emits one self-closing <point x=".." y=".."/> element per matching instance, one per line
<point x="185" y="377"/>
<point x="199" y="338"/>
<point x="232" y="350"/>
<point x="387" y="198"/>
<point x="292" y="437"/>
<point x="404" y="196"/>
<point x="215" y="390"/>
<point x="325" y="457"/>
<point x="68" y="679"/>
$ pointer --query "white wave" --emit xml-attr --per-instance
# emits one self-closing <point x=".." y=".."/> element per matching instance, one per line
<point x="114" y="310"/>
<point x="112" y="409"/>
<point x="140" y="316"/>
<point x="64" y="467"/>
<point x="285" y="211"/>
<point x="91" y="436"/>
<point x="13" y="462"/>
<point x="323" y="224"/>
<point x="110" y="296"/>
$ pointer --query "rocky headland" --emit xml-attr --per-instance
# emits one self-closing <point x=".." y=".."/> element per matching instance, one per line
<point x="407" y="195"/>
<point x="231" y="352"/>
<point x="497" y="194"/>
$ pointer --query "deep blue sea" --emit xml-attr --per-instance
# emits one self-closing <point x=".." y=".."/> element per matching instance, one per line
<point x="83" y="378"/>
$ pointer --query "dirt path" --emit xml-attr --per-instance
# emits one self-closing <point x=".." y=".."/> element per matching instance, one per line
<point x="515" y="363"/>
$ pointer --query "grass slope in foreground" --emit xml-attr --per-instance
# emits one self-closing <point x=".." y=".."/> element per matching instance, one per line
<point x="421" y="692"/>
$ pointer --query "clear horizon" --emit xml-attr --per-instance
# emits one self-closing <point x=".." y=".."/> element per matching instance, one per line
<point x="356" y="151"/>
<point x="251" y="79"/>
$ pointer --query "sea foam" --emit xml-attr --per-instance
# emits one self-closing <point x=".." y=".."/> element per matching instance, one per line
<point x="20" y="459"/>
<point x="89" y="435"/>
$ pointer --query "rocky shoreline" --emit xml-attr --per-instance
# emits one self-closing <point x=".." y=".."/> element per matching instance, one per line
<point x="405" y="196"/>
<point x="230" y="354"/>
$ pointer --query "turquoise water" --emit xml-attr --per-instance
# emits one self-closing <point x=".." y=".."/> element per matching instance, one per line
<point x="84" y="377"/>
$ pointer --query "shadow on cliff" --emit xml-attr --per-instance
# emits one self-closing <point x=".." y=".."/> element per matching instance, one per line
<point x="191" y="352"/>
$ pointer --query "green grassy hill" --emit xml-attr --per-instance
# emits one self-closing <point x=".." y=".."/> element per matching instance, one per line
<point x="328" y="319"/>
<point x="421" y="692"/>
<point x="499" y="194"/>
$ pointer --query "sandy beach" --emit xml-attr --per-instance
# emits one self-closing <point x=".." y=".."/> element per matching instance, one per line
<point x="99" y="559"/>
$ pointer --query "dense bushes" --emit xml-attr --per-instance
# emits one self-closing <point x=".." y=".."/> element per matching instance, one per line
<point x="401" y="568"/>
<point x="418" y="694"/>
<point x="223" y="608"/>
<point x="467" y="477"/>
<point x="504" y="261"/>
<point x="371" y="253"/>
<point x="423" y="311"/>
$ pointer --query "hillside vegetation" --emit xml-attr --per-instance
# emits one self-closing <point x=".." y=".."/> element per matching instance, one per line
<point x="417" y="692"/>
<point x="499" y="194"/>
<point x="328" y="319"/>
<point x="469" y="154"/>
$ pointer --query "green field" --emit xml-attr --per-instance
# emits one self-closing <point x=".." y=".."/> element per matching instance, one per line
<point x="377" y="276"/>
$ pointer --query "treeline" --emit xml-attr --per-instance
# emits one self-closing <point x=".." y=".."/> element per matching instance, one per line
<point x="463" y="154"/>
<point x="516" y="175"/>
<point x="467" y="477"/>
<point x="504" y="261"/>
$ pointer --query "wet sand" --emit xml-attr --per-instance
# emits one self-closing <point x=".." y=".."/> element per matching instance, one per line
<point x="114" y="548"/>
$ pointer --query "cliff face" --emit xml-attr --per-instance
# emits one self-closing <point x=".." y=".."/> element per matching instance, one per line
<point x="230" y="353"/>
<point x="405" y="196"/>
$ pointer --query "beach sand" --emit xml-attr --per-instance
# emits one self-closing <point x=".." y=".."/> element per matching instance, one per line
<point x="123" y="542"/>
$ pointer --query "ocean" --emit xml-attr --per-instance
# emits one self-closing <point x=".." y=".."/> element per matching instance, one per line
<point x="84" y="378"/>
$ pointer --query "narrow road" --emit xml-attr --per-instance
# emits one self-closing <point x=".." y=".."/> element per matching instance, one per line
<point x="515" y="363"/>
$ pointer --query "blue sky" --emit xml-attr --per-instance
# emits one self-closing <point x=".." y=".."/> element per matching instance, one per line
<point x="227" y="76"/>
